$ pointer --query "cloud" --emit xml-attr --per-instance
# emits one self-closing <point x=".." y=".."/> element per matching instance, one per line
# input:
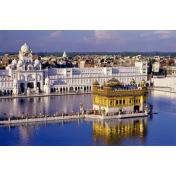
<point x="109" y="36"/>
<point x="55" y="34"/>
<point x="103" y="35"/>
<point x="98" y="37"/>
<point x="163" y="34"/>
<point x="159" y="34"/>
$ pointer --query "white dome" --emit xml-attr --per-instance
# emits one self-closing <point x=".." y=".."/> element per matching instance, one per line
<point x="14" y="62"/>
<point x="25" y="48"/>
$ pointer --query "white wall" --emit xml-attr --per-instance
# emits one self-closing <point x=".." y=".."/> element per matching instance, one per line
<point x="165" y="82"/>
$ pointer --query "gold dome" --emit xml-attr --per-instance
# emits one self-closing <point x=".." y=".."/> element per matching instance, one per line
<point x="113" y="83"/>
<point x="96" y="83"/>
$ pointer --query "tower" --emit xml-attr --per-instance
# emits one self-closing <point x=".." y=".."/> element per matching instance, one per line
<point x="25" y="53"/>
<point x="64" y="55"/>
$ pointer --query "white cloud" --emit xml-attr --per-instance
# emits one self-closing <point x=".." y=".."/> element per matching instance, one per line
<point x="108" y="36"/>
<point x="55" y="34"/>
<point x="163" y="34"/>
<point x="159" y="34"/>
<point x="103" y="35"/>
<point x="98" y="37"/>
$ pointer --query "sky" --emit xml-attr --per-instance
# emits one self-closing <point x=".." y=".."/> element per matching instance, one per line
<point x="89" y="40"/>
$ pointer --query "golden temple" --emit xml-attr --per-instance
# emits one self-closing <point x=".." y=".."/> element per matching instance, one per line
<point x="115" y="97"/>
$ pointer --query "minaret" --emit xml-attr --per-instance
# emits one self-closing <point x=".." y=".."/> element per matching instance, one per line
<point x="64" y="55"/>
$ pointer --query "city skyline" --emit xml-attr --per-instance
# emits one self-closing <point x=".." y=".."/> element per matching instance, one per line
<point x="89" y="40"/>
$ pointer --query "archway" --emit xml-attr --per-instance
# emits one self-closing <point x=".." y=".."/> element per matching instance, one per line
<point x="30" y="85"/>
<point x="5" y="92"/>
<point x="71" y="89"/>
<point x="39" y="86"/>
<point x="136" y="108"/>
<point x="22" y="88"/>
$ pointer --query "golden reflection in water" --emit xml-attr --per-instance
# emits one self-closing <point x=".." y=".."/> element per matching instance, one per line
<point x="25" y="133"/>
<point x="115" y="131"/>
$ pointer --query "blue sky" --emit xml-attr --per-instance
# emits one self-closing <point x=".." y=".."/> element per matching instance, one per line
<point x="89" y="41"/>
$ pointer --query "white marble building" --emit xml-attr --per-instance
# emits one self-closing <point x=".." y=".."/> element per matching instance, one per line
<point x="26" y="76"/>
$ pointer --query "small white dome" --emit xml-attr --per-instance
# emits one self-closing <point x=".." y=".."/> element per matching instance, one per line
<point x="14" y="62"/>
<point x="25" y="48"/>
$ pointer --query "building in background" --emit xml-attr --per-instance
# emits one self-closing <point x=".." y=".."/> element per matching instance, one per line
<point x="142" y="65"/>
<point x="156" y="67"/>
<point x="26" y="76"/>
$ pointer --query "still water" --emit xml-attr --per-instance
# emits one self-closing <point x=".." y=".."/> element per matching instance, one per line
<point x="160" y="129"/>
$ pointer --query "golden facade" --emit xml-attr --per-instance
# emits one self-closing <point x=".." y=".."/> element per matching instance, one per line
<point x="114" y="96"/>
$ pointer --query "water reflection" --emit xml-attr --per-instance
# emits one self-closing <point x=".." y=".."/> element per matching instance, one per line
<point x="114" y="132"/>
<point x="50" y="105"/>
<point x="25" y="133"/>
<point x="157" y="130"/>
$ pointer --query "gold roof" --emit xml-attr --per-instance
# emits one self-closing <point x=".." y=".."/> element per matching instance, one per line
<point x="96" y="83"/>
<point x="113" y="82"/>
